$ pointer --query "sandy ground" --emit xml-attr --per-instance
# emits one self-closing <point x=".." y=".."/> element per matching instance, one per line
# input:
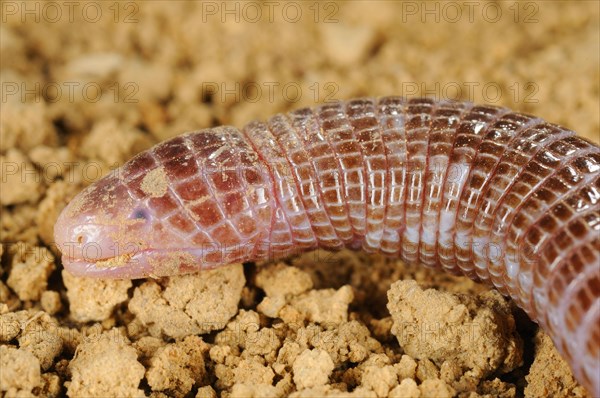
<point x="85" y="85"/>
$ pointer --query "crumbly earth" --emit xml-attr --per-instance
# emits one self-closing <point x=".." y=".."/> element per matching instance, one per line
<point x="87" y="85"/>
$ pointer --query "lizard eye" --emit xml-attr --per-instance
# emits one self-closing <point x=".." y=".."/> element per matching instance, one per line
<point x="139" y="214"/>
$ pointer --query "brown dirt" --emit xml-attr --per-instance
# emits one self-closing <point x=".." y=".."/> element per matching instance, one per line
<point x="86" y="88"/>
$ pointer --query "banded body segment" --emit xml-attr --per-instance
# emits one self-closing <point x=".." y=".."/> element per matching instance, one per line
<point x="418" y="121"/>
<point x="442" y="136"/>
<point x="238" y="192"/>
<point x="337" y="129"/>
<point x="220" y="187"/>
<point x="291" y="230"/>
<point x="527" y="206"/>
<point x="572" y="291"/>
<point x="323" y="159"/>
<point x="566" y="225"/>
<point x="469" y="134"/>
<point x="487" y="160"/>
<point x="362" y="114"/>
<point x="511" y="170"/>
<point x="287" y="131"/>
<point x="391" y="112"/>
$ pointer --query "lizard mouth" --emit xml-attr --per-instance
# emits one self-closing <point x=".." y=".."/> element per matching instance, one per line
<point x="153" y="263"/>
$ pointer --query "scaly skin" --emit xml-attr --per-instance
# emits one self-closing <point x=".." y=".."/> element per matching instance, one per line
<point x="501" y="197"/>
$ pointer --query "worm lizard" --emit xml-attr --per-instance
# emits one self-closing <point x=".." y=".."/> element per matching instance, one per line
<point x="504" y="198"/>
